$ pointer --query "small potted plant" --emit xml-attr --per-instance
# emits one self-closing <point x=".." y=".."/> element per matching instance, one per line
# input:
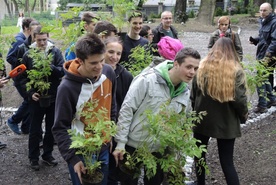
<point x="168" y="143"/>
<point x="39" y="74"/>
<point x="88" y="144"/>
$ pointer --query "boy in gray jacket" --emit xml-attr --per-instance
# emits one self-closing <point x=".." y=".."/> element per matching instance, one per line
<point x="149" y="91"/>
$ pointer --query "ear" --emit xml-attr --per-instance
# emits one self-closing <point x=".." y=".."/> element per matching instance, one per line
<point x="175" y="64"/>
<point x="79" y="61"/>
<point x="85" y="26"/>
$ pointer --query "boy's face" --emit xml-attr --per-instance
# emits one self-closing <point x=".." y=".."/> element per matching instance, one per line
<point x="166" y="19"/>
<point x="90" y="27"/>
<point x="41" y="41"/>
<point x="136" y="25"/>
<point x="187" y="70"/>
<point x="92" y="66"/>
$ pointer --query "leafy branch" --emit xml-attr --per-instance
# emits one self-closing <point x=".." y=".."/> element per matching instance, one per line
<point x="96" y="133"/>
<point x="38" y="75"/>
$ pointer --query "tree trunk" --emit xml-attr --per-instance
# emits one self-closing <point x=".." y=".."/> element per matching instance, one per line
<point x="140" y="5"/>
<point x="180" y="10"/>
<point x="8" y="8"/>
<point x="41" y="6"/>
<point x="206" y="12"/>
<point x="27" y="7"/>
<point x="33" y="7"/>
<point x="246" y="3"/>
<point x="15" y="3"/>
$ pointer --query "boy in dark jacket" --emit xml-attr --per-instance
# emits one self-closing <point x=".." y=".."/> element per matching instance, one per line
<point x="165" y="28"/>
<point x="19" y="82"/>
<point x="37" y="112"/>
<point x="12" y="58"/>
<point x="87" y="77"/>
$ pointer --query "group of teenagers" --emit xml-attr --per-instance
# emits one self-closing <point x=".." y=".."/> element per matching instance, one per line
<point x="92" y="70"/>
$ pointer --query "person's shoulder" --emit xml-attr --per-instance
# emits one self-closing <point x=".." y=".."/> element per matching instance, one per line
<point x="143" y="40"/>
<point x="173" y="28"/>
<point x="20" y="37"/>
<point x="56" y="50"/>
<point x="108" y="71"/>
<point x="122" y="70"/>
<point x="214" y="33"/>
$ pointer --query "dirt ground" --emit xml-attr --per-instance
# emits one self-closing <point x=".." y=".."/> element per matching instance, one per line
<point x="254" y="154"/>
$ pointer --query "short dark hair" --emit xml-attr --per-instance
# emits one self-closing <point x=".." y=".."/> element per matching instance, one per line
<point x="89" y="44"/>
<point x="185" y="53"/>
<point x="89" y="17"/>
<point x="144" y="31"/>
<point x="105" y="28"/>
<point x="135" y="14"/>
<point x="26" y="22"/>
<point x="113" y="39"/>
<point x="39" y="31"/>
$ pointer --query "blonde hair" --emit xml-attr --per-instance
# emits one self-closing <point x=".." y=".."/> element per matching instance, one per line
<point x="223" y="19"/>
<point x="217" y="72"/>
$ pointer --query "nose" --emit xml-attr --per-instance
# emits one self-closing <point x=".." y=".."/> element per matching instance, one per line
<point x="114" y="56"/>
<point x="193" y="71"/>
<point x="117" y="57"/>
<point x="99" y="65"/>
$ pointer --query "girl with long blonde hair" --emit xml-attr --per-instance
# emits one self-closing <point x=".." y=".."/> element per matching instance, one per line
<point x="219" y="88"/>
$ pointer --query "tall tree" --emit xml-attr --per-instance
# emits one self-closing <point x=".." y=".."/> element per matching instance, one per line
<point x="8" y="8"/>
<point x="140" y="4"/>
<point x="27" y="8"/>
<point x="180" y="10"/>
<point x="34" y="5"/>
<point x="259" y="2"/>
<point x="245" y="3"/>
<point x="206" y="12"/>
<point x="41" y="7"/>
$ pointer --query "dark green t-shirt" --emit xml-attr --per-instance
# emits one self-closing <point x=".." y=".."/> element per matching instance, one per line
<point x="168" y="33"/>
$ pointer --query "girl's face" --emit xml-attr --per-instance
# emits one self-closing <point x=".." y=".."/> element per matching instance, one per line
<point x="113" y="53"/>
<point x="150" y="36"/>
<point x="224" y="25"/>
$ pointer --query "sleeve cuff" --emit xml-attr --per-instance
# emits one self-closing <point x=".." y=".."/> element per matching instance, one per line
<point x="74" y="160"/>
<point x="120" y="146"/>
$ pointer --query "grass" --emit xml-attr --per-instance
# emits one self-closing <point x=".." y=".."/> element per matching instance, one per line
<point x="9" y="30"/>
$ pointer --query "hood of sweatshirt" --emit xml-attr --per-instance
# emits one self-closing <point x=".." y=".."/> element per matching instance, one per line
<point x="71" y="70"/>
<point x="163" y="69"/>
<point x="48" y="47"/>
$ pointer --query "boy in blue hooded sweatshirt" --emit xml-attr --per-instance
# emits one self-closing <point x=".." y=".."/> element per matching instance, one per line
<point x="149" y="91"/>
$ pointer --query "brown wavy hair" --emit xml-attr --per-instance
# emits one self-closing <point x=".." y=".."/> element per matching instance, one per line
<point x="217" y="72"/>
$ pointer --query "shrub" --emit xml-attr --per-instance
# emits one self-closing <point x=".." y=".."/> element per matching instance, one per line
<point x="191" y="14"/>
<point x="218" y="11"/>
<point x="252" y="8"/>
<point x="181" y="16"/>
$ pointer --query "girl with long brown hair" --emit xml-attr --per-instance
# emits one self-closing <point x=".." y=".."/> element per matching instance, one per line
<point x="219" y="88"/>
